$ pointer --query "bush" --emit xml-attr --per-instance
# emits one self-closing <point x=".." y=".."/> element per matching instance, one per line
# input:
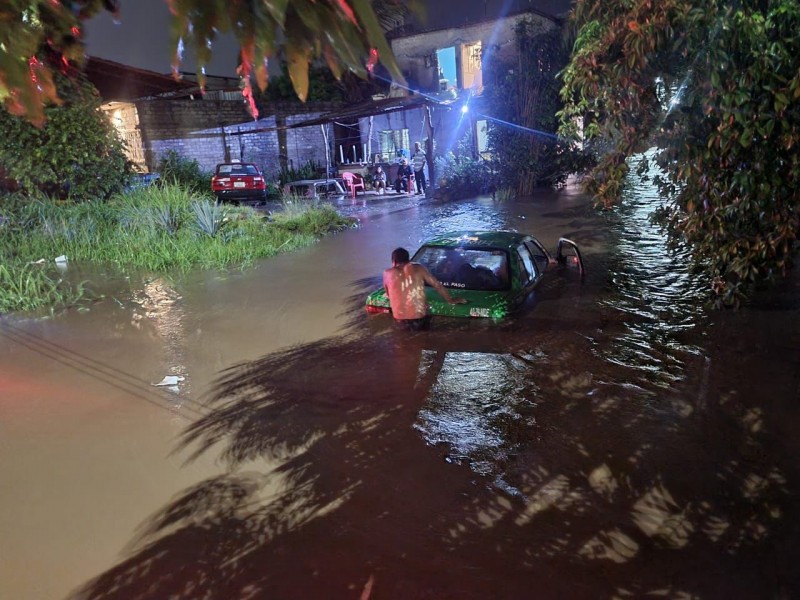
<point x="461" y="176"/>
<point x="310" y="170"/>
<point x="177" y="169"/>
<point x="77" y="154"/>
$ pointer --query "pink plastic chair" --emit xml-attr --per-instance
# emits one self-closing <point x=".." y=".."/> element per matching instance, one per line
<point x="353" y="183"/>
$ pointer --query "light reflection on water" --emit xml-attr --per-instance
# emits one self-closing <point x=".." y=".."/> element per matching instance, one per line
<point x="481" y="214"/>
<point x="620" y="342"/>
<point x="472" y="403"/>
<point x="653" y="288"/>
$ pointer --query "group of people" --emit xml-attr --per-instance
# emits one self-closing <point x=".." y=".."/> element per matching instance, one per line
<point x="406" y="174"/>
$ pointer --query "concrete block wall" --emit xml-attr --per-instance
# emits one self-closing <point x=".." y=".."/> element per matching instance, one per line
<point x="213" y="131"/>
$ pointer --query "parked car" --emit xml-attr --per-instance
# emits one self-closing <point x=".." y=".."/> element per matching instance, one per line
<point x="494" y="271"/>
<point x="314" y="188"/>
<point x="142" y="180"/>
<point x="237" y="181"/>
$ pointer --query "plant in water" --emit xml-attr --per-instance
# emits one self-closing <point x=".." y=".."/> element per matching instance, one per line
<point x="506" y="194"/>
<point x="157" y="229"/>
<point x="715" y="87"/>
<point x="28" y="287"/>
<point x="165" y="218"/>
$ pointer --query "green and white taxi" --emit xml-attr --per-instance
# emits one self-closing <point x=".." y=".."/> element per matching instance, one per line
<point x="495" y="271"/>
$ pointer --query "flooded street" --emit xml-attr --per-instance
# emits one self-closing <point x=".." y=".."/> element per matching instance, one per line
<point x="614" y="440"/>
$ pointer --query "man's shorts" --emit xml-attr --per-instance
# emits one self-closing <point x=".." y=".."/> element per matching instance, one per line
<point x="421" y="324"/>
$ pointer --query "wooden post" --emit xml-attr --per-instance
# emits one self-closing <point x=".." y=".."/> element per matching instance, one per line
<point x="369" y="141"/>
<point x="431" y="188"/>
<point x="324" y="128"/>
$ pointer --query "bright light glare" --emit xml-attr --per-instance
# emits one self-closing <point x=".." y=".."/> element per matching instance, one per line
<point x="465" y="109"/>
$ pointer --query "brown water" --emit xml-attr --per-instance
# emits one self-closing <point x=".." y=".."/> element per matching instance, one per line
<point x="615" y="440"/>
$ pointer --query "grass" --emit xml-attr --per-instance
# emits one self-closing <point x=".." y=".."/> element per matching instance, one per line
<point x="157" y="229"/>
<point x="25" y="287"/>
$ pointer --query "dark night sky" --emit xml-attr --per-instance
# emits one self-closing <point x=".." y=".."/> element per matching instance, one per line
<point x="141" y="39"/>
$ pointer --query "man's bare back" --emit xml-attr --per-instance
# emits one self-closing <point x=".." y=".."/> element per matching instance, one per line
<point x="405" y="285"/>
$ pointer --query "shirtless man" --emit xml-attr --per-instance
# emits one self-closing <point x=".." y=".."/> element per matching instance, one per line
<point x="405" y="285"/>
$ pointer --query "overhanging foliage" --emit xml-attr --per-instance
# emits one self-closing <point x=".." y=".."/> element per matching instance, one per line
<point x="524" y="98"/>
<point x="714" y="86"/>
<point x="346" y="34"/>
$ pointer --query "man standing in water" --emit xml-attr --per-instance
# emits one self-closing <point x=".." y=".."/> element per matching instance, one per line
<point x="419" y="159"/>
<point x="405" y="285"/>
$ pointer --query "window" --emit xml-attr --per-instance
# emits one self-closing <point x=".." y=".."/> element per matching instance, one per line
<point x="479" y="269"/>
<point x="540" y="256"/>
<point x="527" y="270"/>
<point x="237" y="169"/>
<point x="482" y="131"/>
<point x="471" y="63"/>
<point x="395" y="143"/>
<point x="446" y="58"/>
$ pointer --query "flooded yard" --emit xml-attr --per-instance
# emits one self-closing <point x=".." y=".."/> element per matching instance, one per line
<point x="614" y="440"/>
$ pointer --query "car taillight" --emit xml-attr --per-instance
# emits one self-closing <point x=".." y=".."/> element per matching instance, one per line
<point x="374" y="310"/>
<point x="257" y="179"/>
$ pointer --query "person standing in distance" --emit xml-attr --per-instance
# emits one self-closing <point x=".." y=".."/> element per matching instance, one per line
<point x="418" y="160"/>
<point x="405" y="285"/>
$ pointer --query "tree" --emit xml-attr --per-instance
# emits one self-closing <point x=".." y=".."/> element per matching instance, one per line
<point x="76" y="154"/>
<point x="714" y="86"/>
<point x="38" y="36"/>
<point x="525" y="92"/>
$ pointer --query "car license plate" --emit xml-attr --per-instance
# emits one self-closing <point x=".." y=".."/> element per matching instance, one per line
<point x="479" y="312"/>
<point x="239" y="184"/>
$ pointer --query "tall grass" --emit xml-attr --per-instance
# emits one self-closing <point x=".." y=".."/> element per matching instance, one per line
<point x="157" y="229"/>
<point x="25" y="287"/>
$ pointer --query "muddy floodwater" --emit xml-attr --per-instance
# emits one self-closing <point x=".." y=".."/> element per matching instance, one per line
<point x="614" y="440"/>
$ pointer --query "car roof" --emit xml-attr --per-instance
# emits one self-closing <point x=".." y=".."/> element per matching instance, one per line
<point x="489" y="239"/>
<point x="311" y="181"/>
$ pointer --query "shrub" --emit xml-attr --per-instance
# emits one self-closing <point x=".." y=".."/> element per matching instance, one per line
<point x="77" y="154"/>
<point x="461" y="176"/>
<point x="185" y="172"/>
<point x="310" y="170"/>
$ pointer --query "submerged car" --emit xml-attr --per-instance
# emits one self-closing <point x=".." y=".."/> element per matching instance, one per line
<point x="494" y="271"/>
<point x="314" y="188"/>
<point x="237" y="181"/>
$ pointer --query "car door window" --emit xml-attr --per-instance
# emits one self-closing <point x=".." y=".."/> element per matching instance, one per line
<point x="527" y="269"/>
<point x="540" y="256"/>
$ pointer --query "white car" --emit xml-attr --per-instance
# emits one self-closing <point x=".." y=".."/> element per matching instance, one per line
<point x="315" y="188"/>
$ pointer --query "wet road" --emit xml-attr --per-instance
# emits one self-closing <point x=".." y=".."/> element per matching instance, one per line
<point x="613" y="441"/>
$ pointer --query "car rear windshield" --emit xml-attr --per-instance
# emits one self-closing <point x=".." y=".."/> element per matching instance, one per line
<point x="236" y="170"/>
<point x="479" y="269"/>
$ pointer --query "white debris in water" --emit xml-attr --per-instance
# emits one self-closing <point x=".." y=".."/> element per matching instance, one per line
<point x="170" y="380"/>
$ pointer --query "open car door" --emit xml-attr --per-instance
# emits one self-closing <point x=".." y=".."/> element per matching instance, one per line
<point x="568" y="255"/>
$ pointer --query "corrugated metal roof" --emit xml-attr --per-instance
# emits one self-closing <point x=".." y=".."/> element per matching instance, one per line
<point x="382" y="106"/>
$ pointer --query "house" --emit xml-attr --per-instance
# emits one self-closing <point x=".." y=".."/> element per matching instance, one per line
<point x="446" y="62"/>
<point x="441" y="106"/>
<point x="154" y="113"/>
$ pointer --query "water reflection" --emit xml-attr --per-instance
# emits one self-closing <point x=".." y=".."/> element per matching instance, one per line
<point x="158" y="305"/>
<point x="472" y="404"/>
<point x="659" y="298"/>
